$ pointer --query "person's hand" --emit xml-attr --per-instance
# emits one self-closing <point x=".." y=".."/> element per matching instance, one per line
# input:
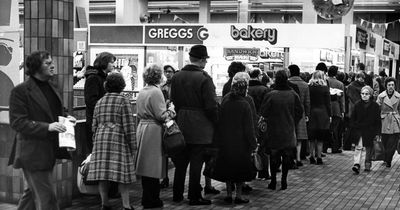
<point x="171" y="107"/>
<point x="57" y="127"/>
<point x="72" y="119"/>
<point x="330" y="119"/>
<point x="306" y="118"/>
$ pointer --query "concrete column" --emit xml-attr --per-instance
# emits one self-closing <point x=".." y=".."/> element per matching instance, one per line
<point x="204" y="11"/>
<point x="286" y="57"/>
<point x="82" y="5"/>
<point x="130" y="11"/>
<point x="243" y="11"/>
<point x="348" y="20"/>
<point x="309" y="14"/>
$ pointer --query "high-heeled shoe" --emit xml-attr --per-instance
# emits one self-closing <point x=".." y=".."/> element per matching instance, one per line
<point x="272" y="185"/>
<point x="104" y="207"/>
<point x="241" y="200"/>
<point x="131" y="208"/>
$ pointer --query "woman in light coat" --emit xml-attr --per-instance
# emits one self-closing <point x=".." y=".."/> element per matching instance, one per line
<point x="114" y="146"/>
<point x="152" y="112"/>
<point x="389" y="102"/>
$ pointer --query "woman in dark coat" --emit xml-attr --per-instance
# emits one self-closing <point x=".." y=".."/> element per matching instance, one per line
<point x="283" y="110"/>
<point x="366" y="124"/>
<point x="320" y="114"/>
<point x="235" y="139"/>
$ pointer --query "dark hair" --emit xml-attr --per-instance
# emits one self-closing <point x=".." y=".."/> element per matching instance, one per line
<point x="102" y="60"/>
<point x="265" y="79"/>
<point x="341" y="76"/>
<point x="332" y="71"/>
<point x="382" y="73"/>
<point x="235" y="67"/>
<point x="169" y="66"/>
<point x="390" y="79"/>
<point x="34" y="62"/>
<point x="114" y="83"/>
<point x="152" y="75"/>
<point x="322" y="67"/>
<point x="254" y="73"/>
<point x="281" y="78"/>
<point x="359" y="75"/>
<point x="294" y="70"/>
<point x="361" y="66"/>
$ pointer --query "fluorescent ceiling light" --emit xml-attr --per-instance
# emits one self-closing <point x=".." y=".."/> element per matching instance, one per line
<point x="374" y="10"/>
<point x="371" y="2"/>
<point x="282" y="3"/>
<point x="291" y="10"/>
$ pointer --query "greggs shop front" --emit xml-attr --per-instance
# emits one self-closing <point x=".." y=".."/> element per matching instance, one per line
<point x="267" y="46"/>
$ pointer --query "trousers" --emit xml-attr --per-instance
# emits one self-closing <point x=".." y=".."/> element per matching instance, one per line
<point x="358" y="154"/>
<point x="39" y="195"/>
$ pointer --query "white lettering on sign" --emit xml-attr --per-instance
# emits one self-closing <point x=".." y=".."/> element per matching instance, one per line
<point x="258" y="34"/>
<point x="170" y="33"/>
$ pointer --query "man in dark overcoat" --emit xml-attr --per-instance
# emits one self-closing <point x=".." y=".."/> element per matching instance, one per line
<point x="193" y="93"/>
<point x="34" y="109"/>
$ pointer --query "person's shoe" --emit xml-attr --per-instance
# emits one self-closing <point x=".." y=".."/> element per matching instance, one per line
<point x="105" y="207"/>
<point x="356" y="168"/>
<point x="312" y="160"/>
<point x="323" y="154"/>
<point x="283" y="185"/>
<point x="246" y="188"/>
<point x="262" y="174"/>
<point x="199" y="201"/>
<point x="367" y="170"/>
<point x="337" y="151"/>
<point x="211" y="190"/>
<point x="157" y="204"/>
<point x="177" y="199"/>
<point x="131" y="208"/>
<point x="299" y="163"/>
<point x="241" y="200"/>
<point x="272" y="185"/>
<point x="319" y="161"/>
<point x="388" y="165"/>
<point x="164" y="183"/>
<point x="228" y="199"/>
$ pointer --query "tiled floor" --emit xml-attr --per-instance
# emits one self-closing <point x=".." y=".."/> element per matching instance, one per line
<point x="330" y="186"/>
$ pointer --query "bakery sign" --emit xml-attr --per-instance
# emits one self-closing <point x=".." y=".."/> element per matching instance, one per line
<point x="254" y="34"/>
<point x="248" y="54"/>
<point x="174" y="34"/>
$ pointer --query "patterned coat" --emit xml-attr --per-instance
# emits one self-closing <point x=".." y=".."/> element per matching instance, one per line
<point x="304" y="94"/>
<point x="152" y="112"/>
<point x="389" y="112"/>
<point x="114" y="146"/>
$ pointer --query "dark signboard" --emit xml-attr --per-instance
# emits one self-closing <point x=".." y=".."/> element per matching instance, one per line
<point x="116" y="34"/>
<point x="386" y="47"/>
<point x="362" y="38"/>
<point x="372" y="41"/>
<point x="250" y="54"/>
<point x="168" y="34"/>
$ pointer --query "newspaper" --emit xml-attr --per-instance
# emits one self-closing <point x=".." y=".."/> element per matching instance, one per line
<point x="67" y="139"/>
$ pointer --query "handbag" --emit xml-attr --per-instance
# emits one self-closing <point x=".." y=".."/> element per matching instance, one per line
<point x="262" y="124"/>
<point x="211" y="155"/>
<point x="256" y="159"/>
<point x="378" y="152"/>
<point x="173" y="140"/>
<point x="84" y="186"/>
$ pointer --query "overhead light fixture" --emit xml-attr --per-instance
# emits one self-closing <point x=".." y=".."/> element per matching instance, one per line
<point x="374" y="10"/>
<point x="370" y="2"/>
<point x="281" y="3"/>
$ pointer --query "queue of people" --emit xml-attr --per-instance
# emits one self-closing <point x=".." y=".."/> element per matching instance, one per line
<point x="283" y="117"/>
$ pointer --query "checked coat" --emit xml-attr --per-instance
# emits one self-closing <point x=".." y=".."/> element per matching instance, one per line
<point x="114" y="143"/>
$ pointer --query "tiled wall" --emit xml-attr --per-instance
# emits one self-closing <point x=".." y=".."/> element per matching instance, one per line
<point x="48" y="25"/>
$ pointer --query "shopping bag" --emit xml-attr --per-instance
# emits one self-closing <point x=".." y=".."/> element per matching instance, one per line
<point x="173" y="140"/>
<point x="210" y="157"/>
<point x="257" y="160"/>
<point x="84" y="186"/>
<point x="378" y="152"/>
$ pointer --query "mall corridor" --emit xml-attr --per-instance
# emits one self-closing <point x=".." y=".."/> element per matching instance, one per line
<point x="330" y="186"/>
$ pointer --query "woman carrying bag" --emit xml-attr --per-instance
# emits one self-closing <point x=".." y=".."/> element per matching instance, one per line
<point x="366" y="124"/>
<point x="389" y="102"/>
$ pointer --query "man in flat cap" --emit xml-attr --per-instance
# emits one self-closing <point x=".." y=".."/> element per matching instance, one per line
<point x="193" y="93"/>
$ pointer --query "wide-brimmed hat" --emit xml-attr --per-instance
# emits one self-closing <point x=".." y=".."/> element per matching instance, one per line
<point x="199" y="51"/>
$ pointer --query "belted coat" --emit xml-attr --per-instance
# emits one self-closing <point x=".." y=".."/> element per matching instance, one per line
<point x="389" y="112"/>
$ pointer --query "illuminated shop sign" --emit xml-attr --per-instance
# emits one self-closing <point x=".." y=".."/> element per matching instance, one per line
<point x="267" y="54"/>
<point x="116" y="34"/>
<point x="175" y="34"/>
<point x="362" y="38"/>
<point x="250" y="54"/>
<point x="386" y="47"/>
<point x="257" y="34"/>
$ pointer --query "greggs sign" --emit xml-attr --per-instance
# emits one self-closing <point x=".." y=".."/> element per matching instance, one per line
<point x="256" y="34"/>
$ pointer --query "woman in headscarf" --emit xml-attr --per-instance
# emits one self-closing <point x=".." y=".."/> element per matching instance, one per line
<point x="366" y="123"/>
<point x="235" y="139"/>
